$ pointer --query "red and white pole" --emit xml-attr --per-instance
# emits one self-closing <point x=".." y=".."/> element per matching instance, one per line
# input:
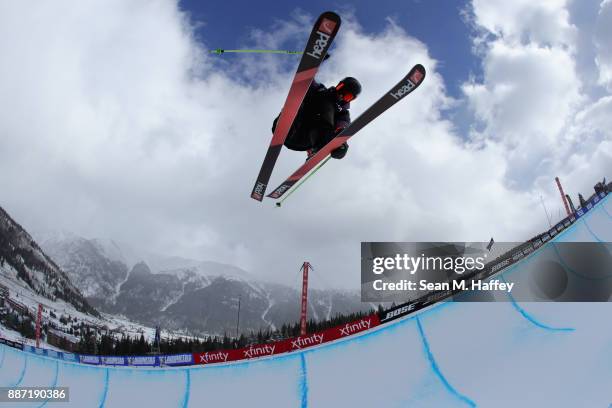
<point x="567" y="209"/>
<point x="38" y="322"/>
<point x="304" y="312"/>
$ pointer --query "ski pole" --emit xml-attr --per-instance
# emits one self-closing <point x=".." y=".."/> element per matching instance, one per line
<point x="220" y="51"/>
<point x="317" y="167"/>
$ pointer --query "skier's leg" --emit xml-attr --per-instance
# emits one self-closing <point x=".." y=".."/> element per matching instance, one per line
<point x="298" y="138"/>
<point x="317" y="137"/>
<point x="321" y="137"/>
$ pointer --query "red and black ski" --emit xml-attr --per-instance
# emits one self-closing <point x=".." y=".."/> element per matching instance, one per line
<point x="321" y="37"/>
<point x="408" y="84"/>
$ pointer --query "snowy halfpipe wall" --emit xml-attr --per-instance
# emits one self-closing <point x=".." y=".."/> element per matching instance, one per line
<point x="449" y="355"/>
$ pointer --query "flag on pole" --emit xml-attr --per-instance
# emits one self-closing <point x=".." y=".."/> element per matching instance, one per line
<point x="157" y="335"/>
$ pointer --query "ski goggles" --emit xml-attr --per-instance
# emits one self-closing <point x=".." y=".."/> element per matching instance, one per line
<point x="346" y="96"/>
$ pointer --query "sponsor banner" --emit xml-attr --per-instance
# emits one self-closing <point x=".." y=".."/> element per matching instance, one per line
<point x="88" y="359"/>
<point x="142" y="360"/>
<point x="29" y="349"/>
<point x="397" y="312"/>
<point x="354" y="327"/>
<point x="260" y="350"/>
<point x="211" y="357"/>
<point x="17" y="345"/>
<point x="252" y="351"/>
<point x="176" y="359"/>
<point x="309" y="340"/>
<point x="334" y="333"/>
<point x="590" y="204"/>
<point x="283" y="346"/>
<point x="517" y="256"/>
<point x="39" y="351"/>
<point x="500" y="265"/>
<point x="113" y="360"/>
<point x="51" y="353"/>
<point x="2" y="340"/>
<point x="69" y="357"/>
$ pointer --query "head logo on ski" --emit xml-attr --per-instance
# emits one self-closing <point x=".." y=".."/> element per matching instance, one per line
<point x="325" y="31"/>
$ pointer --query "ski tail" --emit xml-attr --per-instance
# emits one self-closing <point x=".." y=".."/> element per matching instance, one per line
<point x="323" y="33"/>
<point x="409" y="83"/>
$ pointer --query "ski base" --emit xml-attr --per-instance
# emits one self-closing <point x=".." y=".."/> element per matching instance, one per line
<point x="323" y="33"/>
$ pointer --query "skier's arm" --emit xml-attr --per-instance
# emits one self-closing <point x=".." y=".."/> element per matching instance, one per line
<point x="343" y="120"/>
<point x="340" y="152"/>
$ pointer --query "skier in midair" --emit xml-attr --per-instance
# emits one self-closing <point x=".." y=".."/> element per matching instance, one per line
<point x="323" y="114"/>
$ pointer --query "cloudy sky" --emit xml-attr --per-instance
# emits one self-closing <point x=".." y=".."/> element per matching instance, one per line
<point x="116" y="122"/>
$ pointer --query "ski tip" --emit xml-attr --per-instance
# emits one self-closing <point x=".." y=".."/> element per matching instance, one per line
<point x="328" y="23"/>
<point x="417" y="74"/>
<point x="330" y="14"/>
<point x="421" y="69"/>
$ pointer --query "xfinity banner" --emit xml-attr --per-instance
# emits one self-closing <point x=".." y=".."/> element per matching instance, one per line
<point x="461" y="271"/>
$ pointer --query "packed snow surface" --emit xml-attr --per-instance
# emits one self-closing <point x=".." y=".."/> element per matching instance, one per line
<point x="502" y="354"/>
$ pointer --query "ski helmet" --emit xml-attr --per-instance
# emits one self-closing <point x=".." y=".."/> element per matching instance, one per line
<point x="348" y="89"/>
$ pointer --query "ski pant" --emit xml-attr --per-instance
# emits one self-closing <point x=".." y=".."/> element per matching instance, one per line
<point x="306" y="138"/>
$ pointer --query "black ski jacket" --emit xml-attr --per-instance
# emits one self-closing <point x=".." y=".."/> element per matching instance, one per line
<point x="318" y="120"/>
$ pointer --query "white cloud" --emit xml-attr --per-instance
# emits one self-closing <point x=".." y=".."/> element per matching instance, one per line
<point x="532" y="99"/>
<point x="525" y="21"/>
<point x="527" y="91"/>
<point x="603" y="34"/>
<point x="110" y="133"/>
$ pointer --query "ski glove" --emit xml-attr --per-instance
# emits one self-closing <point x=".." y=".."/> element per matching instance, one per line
<point x="340" y="152"/>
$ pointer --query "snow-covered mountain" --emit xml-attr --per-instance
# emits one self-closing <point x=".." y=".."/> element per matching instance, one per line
<point x="96" y="269"/>
<point x="21" y="259"/>
<point x="184" y="294"/>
